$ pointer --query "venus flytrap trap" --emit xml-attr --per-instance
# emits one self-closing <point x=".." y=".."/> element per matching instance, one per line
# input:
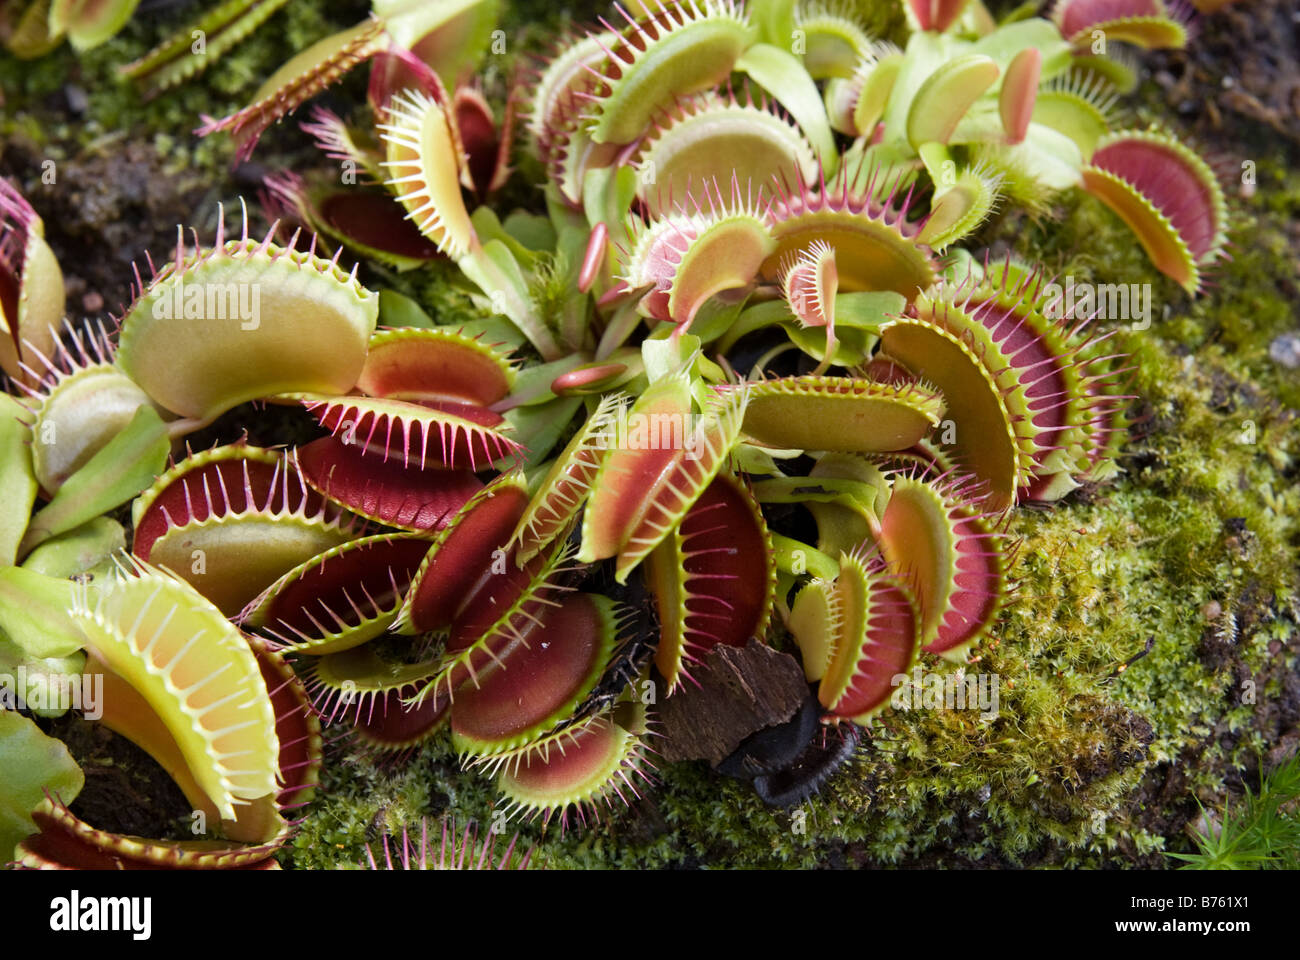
<point x="200" y="517"/>
<point x="222" y="716"/>
<point x="366" y="222"/>
<point x="742" y="373"/>
<point x="192" y="310"/>
<point x="81" y="401"/>
<point x="32" y="303"/>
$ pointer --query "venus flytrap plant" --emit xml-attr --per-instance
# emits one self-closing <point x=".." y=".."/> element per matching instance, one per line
<point x="708" y="139"/>
<point x="443" y="38"/>
<point x="713" y="578"/>
<point x="225" y="719"/>
<point x="83" y="400"/>
<point x="810" y="284"/>
<point x="581" y="768"/>
<point x="375" y="695"/>
<point x="691" y="255"/>
<point x="386" y="492"/>
<point x="367" y="222"/>
<point x="148" y="630"/>
<point x="932" y="531"/>
<point x="1167" y="195"/>
<point x="679" y="49"/>
<point x="507" y="705"/>
<point x="297" y="81"/>
<point x="875" y="244"/>
<point x="834" y="35"/>
<point x="1144" y="23"/>
<point x="727" y="313"/>
<point x="31" y="287"/>
<point x="341" y="598"/>
<point x="424" y="160"/>
<point x="487" y="147"/>
<point x="209" y="303"/>
<point x="200" y="518"/>
<point x="856" y="632"/>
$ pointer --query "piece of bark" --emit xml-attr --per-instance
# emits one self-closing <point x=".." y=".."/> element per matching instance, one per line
<point x="741" y="690"/>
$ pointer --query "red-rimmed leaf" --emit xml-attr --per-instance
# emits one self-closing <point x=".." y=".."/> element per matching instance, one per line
<point x="455" y="435"/>
<point x="341" y="598"/>
<point x="538" y="683"/>
<point x="66" y="842"/>
<point x="713" y="580"/>
<point x="464" y="556"/>
<point x="405" y="497"/>
<point x="434" y="365"/>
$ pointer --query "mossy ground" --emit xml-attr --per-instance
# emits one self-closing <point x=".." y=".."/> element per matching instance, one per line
<point x="1192" y="551"/>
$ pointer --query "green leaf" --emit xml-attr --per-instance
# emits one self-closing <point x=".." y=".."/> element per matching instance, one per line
<point x="33" y="764"/>
<point x="539" y="428"/>
<point x="868" y="309"/>
<point x="533" y="383"/>
<point x="753" y="318"/>
<point x="494" y="270"/>
<point x="760" y="461"/>
<point x="853" y="346"/>
<point x="488" y="227"/>
<point x="396" y="310"/>
<point x="607" y="197"/>
<point x="714" y="318"/>
<point x="1003" y="44"/>
<point x="79" y="550"/>
<point x="666" y="358"/>
<point x="33" y="613"/>
<point x="862" y="310"/>
<point x="532" y="230"/>
<point x="126" y="465"/>
<point x="774" y="20"/>
<point x="44" y="675"/>
<point x="782" y="74"/>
